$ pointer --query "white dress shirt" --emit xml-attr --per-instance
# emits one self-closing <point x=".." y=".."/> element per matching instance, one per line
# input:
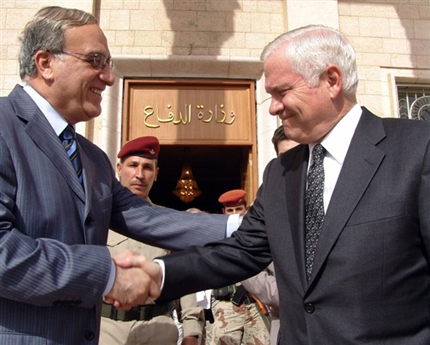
<point x="57" y="121"/>
<point x="336" y="144"/>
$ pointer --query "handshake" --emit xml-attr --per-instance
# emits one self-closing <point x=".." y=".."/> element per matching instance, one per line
<point x="137" y="278"/>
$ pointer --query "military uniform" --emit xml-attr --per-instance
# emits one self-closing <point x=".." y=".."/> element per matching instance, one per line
<point x="238" y="318"/>
<point x="239" y="322"/>
<point x="263" y="286"/>
<point x="149" y="324"/>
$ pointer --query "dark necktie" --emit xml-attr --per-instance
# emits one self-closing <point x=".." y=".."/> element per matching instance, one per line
<point x="314" y="206"/>
<point x="68" y="139"/>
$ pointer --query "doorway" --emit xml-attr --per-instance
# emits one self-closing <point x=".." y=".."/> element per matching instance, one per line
<point x="216" y="170"/>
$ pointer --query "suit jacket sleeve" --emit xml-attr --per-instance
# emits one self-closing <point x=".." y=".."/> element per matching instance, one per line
<point x="161" y="226"/>
<point x="224" y="262"/>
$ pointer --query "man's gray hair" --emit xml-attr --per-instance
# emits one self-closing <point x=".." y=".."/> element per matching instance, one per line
<point x="310" y="49"/>
<point x="46" y="32"/>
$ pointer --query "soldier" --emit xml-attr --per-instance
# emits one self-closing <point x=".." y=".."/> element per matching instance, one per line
<point x="148" y="324"/>
<point x="238" y="318"/>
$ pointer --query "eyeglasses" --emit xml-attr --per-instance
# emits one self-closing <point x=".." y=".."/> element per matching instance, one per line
<point x="96" y="60"/>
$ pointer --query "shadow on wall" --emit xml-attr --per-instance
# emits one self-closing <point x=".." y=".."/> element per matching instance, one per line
<point x="415" y="19"/>
<point x="200" y="27"/>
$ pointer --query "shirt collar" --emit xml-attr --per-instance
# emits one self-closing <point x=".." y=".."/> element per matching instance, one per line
<point x="57" y="121"/>
<point x="337" y="141"/>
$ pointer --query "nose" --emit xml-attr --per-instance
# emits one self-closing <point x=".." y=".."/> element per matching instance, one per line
<point x="107" y="75"/>
<point x="139" y="173"/>
<point x="275" y="107"/>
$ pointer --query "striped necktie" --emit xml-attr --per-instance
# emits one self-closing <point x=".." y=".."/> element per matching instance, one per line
<point x="68" y="139"/>
<point x="314" y="205"/>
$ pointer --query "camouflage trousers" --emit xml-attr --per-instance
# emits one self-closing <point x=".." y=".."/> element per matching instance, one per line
<point x="236" y="325"/>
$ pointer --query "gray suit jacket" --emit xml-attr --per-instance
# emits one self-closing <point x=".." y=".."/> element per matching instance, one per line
<point x="370" y="282"/>
<point x="54" y="265"/>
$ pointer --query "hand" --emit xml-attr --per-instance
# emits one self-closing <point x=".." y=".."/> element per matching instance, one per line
<point x="129" y="259"/>
<point x="190" y="341"/>
<point x="132" y="286"/>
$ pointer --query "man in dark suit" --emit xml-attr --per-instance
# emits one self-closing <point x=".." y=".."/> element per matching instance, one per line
<point x="58" y="202"/>
<point x="366" y="278"/>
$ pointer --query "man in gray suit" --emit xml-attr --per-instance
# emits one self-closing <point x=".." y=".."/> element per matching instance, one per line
<point x="58" y="202"/>
<point x="366" y="278"/>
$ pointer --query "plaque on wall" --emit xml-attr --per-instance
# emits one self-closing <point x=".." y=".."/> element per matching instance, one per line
<point x="190" y="111"/>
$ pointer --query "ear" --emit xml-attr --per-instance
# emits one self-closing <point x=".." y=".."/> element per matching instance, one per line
<point x="118" y="169"/>
<point x="156" y="173"/>
<point x="43" y="61"/>
<point x="334" y="80"/>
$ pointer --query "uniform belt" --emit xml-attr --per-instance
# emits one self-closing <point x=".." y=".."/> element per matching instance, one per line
<point x="140" y="313"/>
<point x="248" y="299"/>
<point x="224" y="294"/>
<point x="227" y="297"/>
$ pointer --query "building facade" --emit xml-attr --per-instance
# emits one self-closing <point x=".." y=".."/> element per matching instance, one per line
<point x="221" y="40"/>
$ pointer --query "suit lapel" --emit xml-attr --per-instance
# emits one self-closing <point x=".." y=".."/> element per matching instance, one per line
<point x="86" y="171"/>
<point x="361" y="163"/>
<point x="295" y="192"/>
<point x="44" y="137"/>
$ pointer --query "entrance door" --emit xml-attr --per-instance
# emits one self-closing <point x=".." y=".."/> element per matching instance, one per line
<point x="210" y="123"/>
<point x="216" y="170"/>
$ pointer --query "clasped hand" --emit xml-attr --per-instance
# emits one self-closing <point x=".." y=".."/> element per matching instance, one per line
<point x="137" y="278"/>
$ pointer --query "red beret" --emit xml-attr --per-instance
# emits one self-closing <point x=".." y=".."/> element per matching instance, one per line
<point x="233" y="197"/>
<point x="147" y="147"/>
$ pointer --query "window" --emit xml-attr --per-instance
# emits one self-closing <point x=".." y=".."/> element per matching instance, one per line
<point x="414" y="101"/>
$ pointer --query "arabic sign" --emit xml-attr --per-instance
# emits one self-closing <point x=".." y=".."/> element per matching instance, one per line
<point x="186" y="117"/>
<point x="190" y="110"/>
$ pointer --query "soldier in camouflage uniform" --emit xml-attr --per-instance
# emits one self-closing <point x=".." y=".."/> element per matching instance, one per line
<point x="238" y="318"/>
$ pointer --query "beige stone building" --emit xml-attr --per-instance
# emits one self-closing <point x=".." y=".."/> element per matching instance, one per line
<point x="222" y="40"/>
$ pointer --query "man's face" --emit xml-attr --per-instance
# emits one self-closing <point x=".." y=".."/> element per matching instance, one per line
<point x="138" y="174"/>
<point x="240" y="209"/>
<point x="307" y="113"/>
<point x="76" y="86"/>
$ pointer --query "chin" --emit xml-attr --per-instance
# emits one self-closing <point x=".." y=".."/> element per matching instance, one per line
<point x="138" y="193"/>
<point x="94" y="115"/>
<point x="93" y="111"/>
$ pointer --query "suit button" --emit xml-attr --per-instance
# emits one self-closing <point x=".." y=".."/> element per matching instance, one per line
<point x="88" y="221"/>
<point x="310" y="308"/>
<point x="89" y="335"/>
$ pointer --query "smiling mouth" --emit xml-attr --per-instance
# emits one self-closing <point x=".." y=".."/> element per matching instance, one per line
<point x="96" y="91"/>
<point x="285" y="117"/>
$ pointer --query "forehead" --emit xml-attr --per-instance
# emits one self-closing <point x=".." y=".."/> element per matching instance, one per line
<point x="86" y="38"/>
<point x="140" y="160"/>
<point x="277" y="69"/>
<point x="238" y="207"/>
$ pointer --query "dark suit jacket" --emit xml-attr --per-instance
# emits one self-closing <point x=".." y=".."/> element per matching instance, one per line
<point x="54" y="265"/>
<point x="370" y="282"/>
